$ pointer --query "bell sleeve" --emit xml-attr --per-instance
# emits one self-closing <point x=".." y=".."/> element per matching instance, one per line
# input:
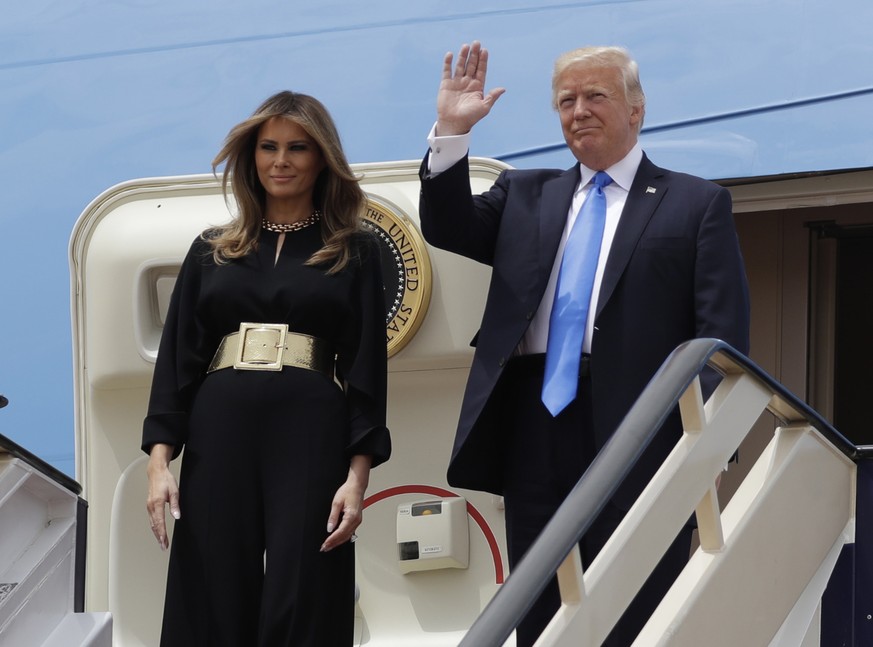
<point x="363" y="369"/>
<point x="180" y="364"/>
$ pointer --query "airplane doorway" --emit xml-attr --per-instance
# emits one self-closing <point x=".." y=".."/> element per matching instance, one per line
<point x="841" y="316"/>
<point x="811" y="296"/>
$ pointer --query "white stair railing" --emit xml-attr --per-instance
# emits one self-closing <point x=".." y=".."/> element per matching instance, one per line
<point x="762" y="565"/>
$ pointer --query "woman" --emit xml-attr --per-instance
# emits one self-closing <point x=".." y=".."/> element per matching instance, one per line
<point x="277" y="453"/>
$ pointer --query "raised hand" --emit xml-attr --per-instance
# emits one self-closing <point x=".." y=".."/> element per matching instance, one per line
<point x="461" y="101"/>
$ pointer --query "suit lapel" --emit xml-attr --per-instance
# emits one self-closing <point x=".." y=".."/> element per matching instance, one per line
<point x="646" y="193"/>
<point x="556" y="200"/>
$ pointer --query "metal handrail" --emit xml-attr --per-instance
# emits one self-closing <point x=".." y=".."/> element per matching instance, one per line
<point x="9" y="446"/>
<point x="606" y="473"/>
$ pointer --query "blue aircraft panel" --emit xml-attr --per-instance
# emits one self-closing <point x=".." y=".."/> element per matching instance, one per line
<point x="95" y="92"/>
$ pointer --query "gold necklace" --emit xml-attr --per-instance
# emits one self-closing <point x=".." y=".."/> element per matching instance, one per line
<point x="285" y="227"/>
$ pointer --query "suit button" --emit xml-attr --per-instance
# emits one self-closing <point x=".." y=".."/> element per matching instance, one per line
<point x="529" y="316"/>
<point x="501" y="362"/>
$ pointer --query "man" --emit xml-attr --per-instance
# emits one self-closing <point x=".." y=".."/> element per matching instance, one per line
<point x="665" y="268"/>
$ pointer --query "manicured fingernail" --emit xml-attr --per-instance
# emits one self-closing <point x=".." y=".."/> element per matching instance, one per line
<point x="330" y="526"/>
<point x="176" y="514"/>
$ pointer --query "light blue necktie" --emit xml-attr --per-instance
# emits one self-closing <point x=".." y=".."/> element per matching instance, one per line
<point x="572" y="297"/>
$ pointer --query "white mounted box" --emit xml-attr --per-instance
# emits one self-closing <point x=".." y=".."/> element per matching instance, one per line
<point x="433" y="534"/>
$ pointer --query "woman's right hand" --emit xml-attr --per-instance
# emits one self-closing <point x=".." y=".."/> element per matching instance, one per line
<point x="163" y="489"/>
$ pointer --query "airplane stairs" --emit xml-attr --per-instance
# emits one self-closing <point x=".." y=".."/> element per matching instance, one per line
<point x="783" y="565"/>
<point x="42" y="531"/>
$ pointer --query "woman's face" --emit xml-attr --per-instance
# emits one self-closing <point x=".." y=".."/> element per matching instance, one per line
<point x="288" y="162"/>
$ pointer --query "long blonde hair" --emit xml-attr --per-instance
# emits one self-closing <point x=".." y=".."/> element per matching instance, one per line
<point x="337" y="193"/>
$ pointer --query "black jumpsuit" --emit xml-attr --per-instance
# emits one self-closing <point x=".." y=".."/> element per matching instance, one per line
<point x="266" y="451"/>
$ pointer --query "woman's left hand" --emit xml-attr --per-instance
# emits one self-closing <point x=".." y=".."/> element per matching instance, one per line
<point x="346" y="511"/>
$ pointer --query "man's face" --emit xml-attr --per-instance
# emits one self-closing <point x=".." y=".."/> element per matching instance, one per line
<point x="599" y="126"/>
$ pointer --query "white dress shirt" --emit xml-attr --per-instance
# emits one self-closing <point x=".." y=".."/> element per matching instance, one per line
<point x="446" y="151"/>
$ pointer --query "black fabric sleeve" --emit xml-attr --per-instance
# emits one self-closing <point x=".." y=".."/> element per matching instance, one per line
<point x="180" y="364"/>
<point x="363" y="369"/>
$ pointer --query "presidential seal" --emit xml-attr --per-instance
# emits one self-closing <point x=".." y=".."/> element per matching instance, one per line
<point x="406" y="270"/>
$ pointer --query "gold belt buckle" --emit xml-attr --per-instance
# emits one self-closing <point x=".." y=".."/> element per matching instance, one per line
<point x="260" y="347"/>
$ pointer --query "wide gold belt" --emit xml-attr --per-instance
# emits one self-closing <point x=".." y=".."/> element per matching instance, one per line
<point x="269" y="347"/>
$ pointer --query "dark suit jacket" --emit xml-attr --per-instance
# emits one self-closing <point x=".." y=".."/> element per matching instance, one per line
<point x="674" y="272"/>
